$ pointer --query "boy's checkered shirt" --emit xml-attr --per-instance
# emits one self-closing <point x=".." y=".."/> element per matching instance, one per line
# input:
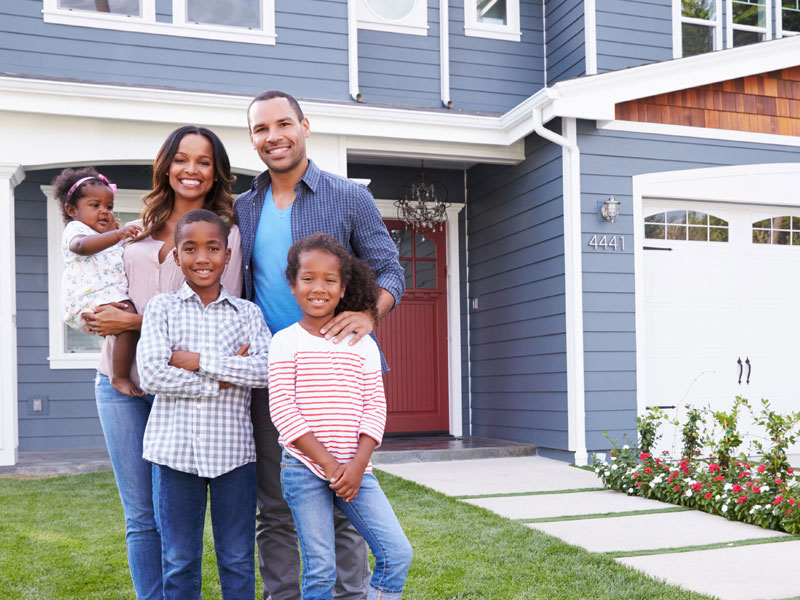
<point x="195" y="426"/>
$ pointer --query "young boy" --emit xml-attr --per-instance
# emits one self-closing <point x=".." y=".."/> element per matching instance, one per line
<point x="200" y="352"/>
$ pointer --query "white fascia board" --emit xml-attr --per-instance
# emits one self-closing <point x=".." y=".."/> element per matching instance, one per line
<point x="171" y="106"/>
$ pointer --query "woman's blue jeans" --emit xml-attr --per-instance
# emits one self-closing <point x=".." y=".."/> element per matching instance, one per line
<point x="123" y="419"/>
<point x="311" y="501"/>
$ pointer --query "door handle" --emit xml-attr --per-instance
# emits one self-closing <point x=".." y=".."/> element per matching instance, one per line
<point x="749" y="368"/>
<point x="741" y="369"/>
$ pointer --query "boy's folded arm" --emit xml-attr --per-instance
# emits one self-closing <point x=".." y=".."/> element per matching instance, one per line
<point x="153" y="354"/>
<point x="250" y="370"/>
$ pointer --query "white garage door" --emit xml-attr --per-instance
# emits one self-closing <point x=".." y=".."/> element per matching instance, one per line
<point x="722" y="309"/>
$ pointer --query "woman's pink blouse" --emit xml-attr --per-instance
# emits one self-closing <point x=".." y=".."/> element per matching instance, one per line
<point x="147" y="278"/>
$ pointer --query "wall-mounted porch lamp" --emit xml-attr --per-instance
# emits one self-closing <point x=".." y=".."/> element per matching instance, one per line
<point x="609" y="209"/>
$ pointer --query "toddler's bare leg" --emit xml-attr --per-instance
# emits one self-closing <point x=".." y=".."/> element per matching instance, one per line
<point x="122" y="358"/>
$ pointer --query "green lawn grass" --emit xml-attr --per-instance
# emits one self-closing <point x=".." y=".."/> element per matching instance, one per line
<point x="64" y="538"/>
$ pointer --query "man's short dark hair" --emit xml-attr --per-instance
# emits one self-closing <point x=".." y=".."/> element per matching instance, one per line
<point x="269" y="95"/>
<point x="201" y="214"/>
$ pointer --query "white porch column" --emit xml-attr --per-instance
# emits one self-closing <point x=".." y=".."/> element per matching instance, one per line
<point x="10" y="176"/>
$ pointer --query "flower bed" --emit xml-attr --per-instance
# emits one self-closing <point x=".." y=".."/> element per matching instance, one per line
<point x="764" y="492"/>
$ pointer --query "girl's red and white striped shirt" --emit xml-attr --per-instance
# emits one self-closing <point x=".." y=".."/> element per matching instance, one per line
<point x="334" y="391"/>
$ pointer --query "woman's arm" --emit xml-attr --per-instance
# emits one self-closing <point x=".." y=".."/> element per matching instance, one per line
<point x="110" y="319"/>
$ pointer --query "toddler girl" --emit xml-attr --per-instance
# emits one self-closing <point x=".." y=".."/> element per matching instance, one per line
<point x="328" y="404"/>
<point x="93" y="271"/>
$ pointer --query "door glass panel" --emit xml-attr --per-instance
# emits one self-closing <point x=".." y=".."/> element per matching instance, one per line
<point x="698" y="234"/>
<point x="403" y="239"/>
<point x="697" y="218"/>
<point x="654" y="232"/>
<point x="116" y="7"/>
<point x="718" y="234"/>
<point x="426" y="274"/>
<point x="231" y="13"/>
<point x="424" y="247"/>
<point x="676" y="216"/>
<point x="408" y="273"/>
<point x="781" y="230"/>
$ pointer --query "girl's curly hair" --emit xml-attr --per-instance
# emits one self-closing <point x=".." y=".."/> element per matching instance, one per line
<point x="361" y="290"/>
<point x="65" y="180"/>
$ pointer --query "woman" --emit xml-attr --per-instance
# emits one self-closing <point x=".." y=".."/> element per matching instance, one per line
<point x="191" y="171"/>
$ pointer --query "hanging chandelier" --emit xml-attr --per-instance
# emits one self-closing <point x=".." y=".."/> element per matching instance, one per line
<point x="422" y="205"/>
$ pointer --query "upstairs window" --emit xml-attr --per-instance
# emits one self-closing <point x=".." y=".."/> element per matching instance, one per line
<point x="787" y="19"/>
<point x="251" y="21"/>
<point x="700" y="27"/>
<point x="494" y="19"/>
<point x="749" y="22"/>
<point x="396" y="16"/>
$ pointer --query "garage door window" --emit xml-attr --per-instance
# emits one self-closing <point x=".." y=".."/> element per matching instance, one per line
<point x="690" y="225"/>
<point x="783" y="231"/>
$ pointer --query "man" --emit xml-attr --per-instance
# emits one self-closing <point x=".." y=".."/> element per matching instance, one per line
<point x="289" y="201"/>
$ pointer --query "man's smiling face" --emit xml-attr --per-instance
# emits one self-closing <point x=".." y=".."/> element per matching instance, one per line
<point x="278" y="135"/>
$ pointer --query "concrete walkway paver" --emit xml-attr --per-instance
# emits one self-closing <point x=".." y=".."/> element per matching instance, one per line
<point x="562" y="505"/>
<point x="651" y="532"/>
<point x="766" y="571"/>
<point x="496" y="475"/>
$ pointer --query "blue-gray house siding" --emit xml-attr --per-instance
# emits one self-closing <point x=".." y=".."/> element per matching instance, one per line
<point x="609" y="160"/>
<point x="516" y="274"/>
<point x="310" y="58"/>
<point x="566" y="45"/>
<point x="633" y="32"/>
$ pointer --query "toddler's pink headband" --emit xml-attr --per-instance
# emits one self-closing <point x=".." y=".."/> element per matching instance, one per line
<point x="77" y="184"/>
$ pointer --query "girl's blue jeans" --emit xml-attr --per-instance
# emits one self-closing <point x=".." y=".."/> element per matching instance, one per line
<point x="311" y="501"/>
<point x="123" y="419"/>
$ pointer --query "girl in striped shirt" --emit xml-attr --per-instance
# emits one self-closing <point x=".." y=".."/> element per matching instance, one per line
<point x="327" y="402"/>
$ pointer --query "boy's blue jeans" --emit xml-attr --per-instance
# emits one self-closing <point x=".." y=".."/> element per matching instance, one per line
<point x="311" y="501"/>
<point x="182" y="512"/>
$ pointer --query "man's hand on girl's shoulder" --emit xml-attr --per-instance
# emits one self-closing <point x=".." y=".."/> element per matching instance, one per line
<point x="347" y="322"/>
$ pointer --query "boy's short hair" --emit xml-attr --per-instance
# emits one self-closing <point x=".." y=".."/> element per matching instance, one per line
<point x="201" y="214"/>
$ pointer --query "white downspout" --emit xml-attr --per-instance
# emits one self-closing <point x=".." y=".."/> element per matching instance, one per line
<point x="573" y="279"/>
<point x="444" y="52"/>
<point x="352" y="48"/>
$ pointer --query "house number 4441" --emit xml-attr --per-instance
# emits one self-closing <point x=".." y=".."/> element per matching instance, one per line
<point x="608" y="242"/>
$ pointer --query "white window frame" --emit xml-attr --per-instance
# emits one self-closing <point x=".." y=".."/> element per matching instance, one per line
<point x="124" y="201"/>
<point x="178" y="27"/>
<point x="731" y="26"/>
<point x="779" y="31"/>
<point x="415" y="23"/>
<point x="509" y="32"/>
<point x="677" y="26"/>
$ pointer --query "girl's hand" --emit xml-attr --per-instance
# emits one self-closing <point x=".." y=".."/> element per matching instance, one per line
<point x="110" y="319"/>
<point x="128" y="232"/>
<point x="348" y="480"/>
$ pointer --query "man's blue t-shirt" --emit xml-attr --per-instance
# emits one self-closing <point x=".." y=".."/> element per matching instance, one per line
<point x="272" y="292"/>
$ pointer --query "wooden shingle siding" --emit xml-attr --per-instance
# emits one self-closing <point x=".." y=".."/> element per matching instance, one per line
<point x="566" y="48"/>
<point x="633" y="32"/>
<point x="516" y="272"/>
<point x="609" y="160"/>
<point x="766" y="103"/>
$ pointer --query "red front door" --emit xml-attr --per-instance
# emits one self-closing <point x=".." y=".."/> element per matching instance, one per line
<point x="414" y="336"/>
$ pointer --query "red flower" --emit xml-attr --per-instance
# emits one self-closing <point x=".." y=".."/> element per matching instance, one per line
<point x="756" y="489"/>
<point x="638" y="484"/>
<point x="644" y="456"/>
<point x="792" y="501"/>
<point x="761" y="468"/>
<point x="779" y="481"/>
<point x="696" y="486"/>
<point x="737" y="488"/>
<point x="677" y="487"/>
<point x="741" y="499"/>
<point x="708" y="495"/>
<point x="683" y="464"/>
<point x="790" y="470"/>
<point x="788" y="512"/>
<point x="778" y="500"/>
<point x="713" y="467"/>
<point x="648" y="470"/>
<point x="719" y="478"/>
<point x="748" y="484"/>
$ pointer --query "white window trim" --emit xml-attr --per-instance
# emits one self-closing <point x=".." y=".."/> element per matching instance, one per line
<point x="124" y="201"/>
<point x="731" y="26"/>
<point x="779" y="31"/>
<point x="416" y="23"/>
<point x="179" y="27"/>
<point x="677" y="26"/>
<point x="510" y="31"/>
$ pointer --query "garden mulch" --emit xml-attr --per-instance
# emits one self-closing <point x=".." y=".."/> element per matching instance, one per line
<point x="745" y="563"/>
